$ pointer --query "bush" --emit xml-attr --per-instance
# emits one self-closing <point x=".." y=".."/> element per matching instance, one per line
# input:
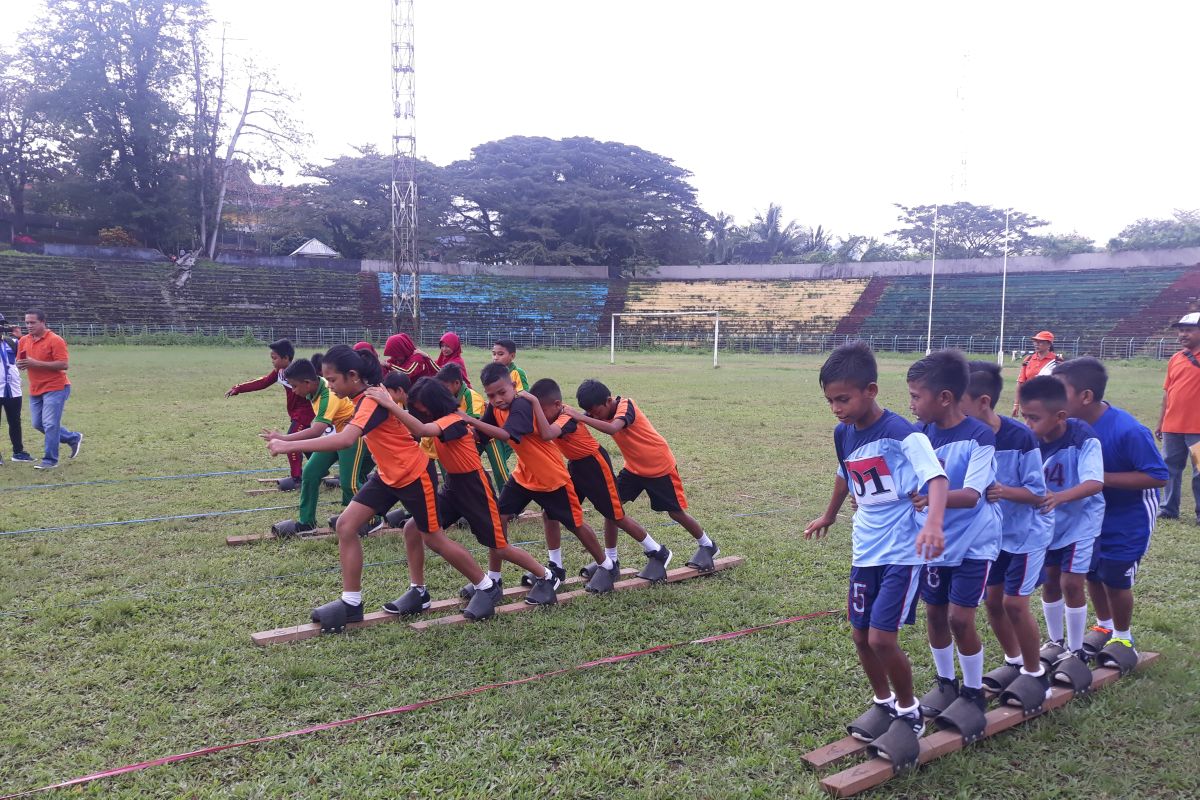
<point x="117" y="237"/>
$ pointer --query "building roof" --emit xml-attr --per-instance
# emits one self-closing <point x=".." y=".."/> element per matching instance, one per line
<point x="315" y="248"/>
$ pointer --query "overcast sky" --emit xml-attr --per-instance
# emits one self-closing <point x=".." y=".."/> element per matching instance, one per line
<point x="1080" y="113"/>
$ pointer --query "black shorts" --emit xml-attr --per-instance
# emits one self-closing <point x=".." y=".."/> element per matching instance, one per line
<point x="468" y="496"/>
<point x="665" y="491"/>
<point x="419" y="498"/>
<point x="561" y="504"/>
<point x="594" y="482"/>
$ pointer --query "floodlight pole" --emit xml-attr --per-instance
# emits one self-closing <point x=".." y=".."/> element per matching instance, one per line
<point x="1003" y="289"/>
<point x="406" y="267"/>
<point x="932" y="272"/>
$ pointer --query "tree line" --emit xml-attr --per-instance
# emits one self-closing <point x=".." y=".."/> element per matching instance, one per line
<point x="134" y="115"/>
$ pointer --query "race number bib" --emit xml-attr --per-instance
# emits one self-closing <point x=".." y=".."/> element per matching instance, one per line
<point x="871" y="481"/>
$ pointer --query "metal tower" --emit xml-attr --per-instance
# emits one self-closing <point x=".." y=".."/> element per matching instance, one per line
<point x="406" y="269"/>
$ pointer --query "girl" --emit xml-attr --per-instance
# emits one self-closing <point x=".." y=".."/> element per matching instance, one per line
<point x="403" y="356"/>
<point x="403" y="476"/>
<point x="451" y="353"/>
<point x="330" y="415"/>
<point x="466" y="494"/>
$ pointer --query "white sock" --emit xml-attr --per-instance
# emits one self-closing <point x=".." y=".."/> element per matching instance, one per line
<point x="607" y="564"/>
<point x="943" y="661"/>
<point x="1104" y="623"/>
<point x="1015" y="661"/>
<point x="494" y="575"/>
<point x="420" y="587"/>
<point x="1040" y="672"/>
<point x="1053" y="613"/>
<point x="704" y="541"/>
<point x="1076" y="622"/>
<point x="484" y="584"/>
<point x="972" y="669"/>
<point x="555" y="556"/>
<point x="352" y="598"/>
<point x="909" y="711"/>
<point x="1126" y="635"/>
<point x="649" y="545"/>
<point x="889" y="701"/>
<point x="611" y="552"/>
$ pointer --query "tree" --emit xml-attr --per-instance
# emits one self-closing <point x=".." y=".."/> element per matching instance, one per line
<point x="964" y="230"/>
<point x="767" y="239"/>
<point x="1060" y="245"/>
<point x="28" y="150"/>
<point x="1182" y="230"/>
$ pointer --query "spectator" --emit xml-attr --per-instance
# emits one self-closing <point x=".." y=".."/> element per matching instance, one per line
<point x="10" y="391"/>
<point x="1179" y="423"/>
<point x="43" y="354"/>
<point x="1040" y="362"/>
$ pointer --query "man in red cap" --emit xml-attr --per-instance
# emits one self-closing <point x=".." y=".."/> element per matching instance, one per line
<point x="1179" y="423"/>
<point x="1040" y="362"/>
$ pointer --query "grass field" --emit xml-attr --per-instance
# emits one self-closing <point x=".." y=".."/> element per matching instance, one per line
<point x="120" y="644"/>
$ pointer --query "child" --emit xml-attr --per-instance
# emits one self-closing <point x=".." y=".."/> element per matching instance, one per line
<point x="883" y="458"/>
<point x="466" y="494"/>
<point x="1019" y="489"/>
<point x="649" y="463"/>
<point x="1074" y="470"/>
<point x="540" y="475"/>
<point x="403" y="476"/>
<point x="330" y="415"/>
<point x="10" y="392"/>
<point x="503" y="352"/>
<point x="474" y="404"/>
<point x="299" y="410"/>
<point x="954" y="584"/>
<point x="1133" y="472"/>
<point x="403" y="356"/>
<point x="450" y="352"/>
<point x="590" y="468"/>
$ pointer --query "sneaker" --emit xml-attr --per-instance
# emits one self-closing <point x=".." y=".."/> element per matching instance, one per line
<point x="590" y="569"/>
<point x="376" y="524"/>
<point x="45" y="465"/>
<point x="76" y="445"/>
<point x="1127" y="642"/>
<point x="702" y="559"/>
<point x="602" y="581"/>
<point x="483" y="604"/>
<point x="1083" y="655"/>
<point x="1052" y="650"/>
<point x="559" y="573"/>
<point x="913" y="719"/>
<point x="939" y="698"/>
<point x="543" y="592"/>
<point x="22" y="458"/>
<point x="1165" y="515"/>
<point x="656" y="565"/>
<point x="414" y="601"/>
<point x="468" y="591"/>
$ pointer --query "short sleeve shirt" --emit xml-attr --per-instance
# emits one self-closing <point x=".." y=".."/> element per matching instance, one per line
<point x="397" y="455"/>
<point x="576" y="441"/>
<point x="1182" y="385"/>
<point x="330" y="409"/>
<point x="1068" y="461"/>
<point x="1025" y="529"/>
<point x="1129" y="514"/>
<point x="646" y="452"/>
<point x="456" y="446"/>
<point x="967" y="451"/>
<point x="51" y="347"/>
<point x="540" y="467"/>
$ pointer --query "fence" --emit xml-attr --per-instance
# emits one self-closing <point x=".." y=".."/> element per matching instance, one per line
<point x="1107" y="347"/>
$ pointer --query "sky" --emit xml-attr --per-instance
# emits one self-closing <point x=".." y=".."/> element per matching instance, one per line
<point x="1080" y="113"/>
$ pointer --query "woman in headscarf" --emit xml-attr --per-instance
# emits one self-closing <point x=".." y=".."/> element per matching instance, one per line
<point x="365" y="348"/>
<point x="403" y="356"/>
<point x="451" y="353"/>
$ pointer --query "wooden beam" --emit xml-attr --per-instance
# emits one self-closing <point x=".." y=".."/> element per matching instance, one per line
<point x="316" y="534"/>
<point x="309" y="630"/>
<point x="673" y="576"/>
<point x="870" y="774"/>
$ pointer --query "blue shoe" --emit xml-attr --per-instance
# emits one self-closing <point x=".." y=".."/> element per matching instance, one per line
<point x="76" y="445"/>
<point x="22" y="458"/>
<point x="46" y="465"/>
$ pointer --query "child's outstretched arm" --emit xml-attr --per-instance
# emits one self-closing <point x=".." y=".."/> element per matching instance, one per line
<point x="323" y="444"/>
<point x="819" y="527"/>
<point x="548" y="431"/>
<point x="265" y="382"/>
<point x="484" y="428"/>
<point x="604" y="426"/>
<point x="415" y="426"/>
<point x="311" y="432"/>
<point x="1083" y="489"/>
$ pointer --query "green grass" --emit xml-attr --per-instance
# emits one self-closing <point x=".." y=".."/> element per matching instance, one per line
<point x="134" y="642"/>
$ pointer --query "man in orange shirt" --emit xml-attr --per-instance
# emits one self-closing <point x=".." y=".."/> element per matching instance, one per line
<point x="1040" y="362"/>
<point x="1179" y="423"/>
<point x="43" y="354"/>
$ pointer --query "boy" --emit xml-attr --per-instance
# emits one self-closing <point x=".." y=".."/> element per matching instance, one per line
<point x="1074" y="470"/>
<point x="10" y="392"/>
<point x="1133" y="473"/>
<point x="503" y="352"/>
<point x="954" y="585"/>
<point x="299" y="410"/>
<point x="540" y="475"/>
<point x="649" y="463"/>
<point x="882" y="458"/>
<point x="590" y="468"/>
<point x="474" y="404"/>
<point x="1025" y="534"/>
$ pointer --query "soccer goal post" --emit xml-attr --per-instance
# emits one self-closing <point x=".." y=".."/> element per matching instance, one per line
<point x="612" y="331"/>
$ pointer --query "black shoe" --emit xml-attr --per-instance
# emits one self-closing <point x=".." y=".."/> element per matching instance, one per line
<point x="396" y="518"/>
<point x="543" y="592"/>
<point x="414" y="601"/>
<point x="76" y="445"/>
<point x="559" y="573"/>
<point x="22" y="458"/>
<point x="975" y="696"/>
<point x="483" y="604"/>
<point x="590" y="569"/>
<point x="656" y="565"/>
<point x="913" y="719"/>
<point x="602" y="581"/>
<point x="702" y="559"/>
<point x="939" y="698"/>
<point x="290" y="527"/>
<point x="468" y="591"/>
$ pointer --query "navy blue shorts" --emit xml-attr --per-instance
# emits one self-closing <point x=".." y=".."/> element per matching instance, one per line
<point x="1113" y="574"/>
<point x="884" y="597"/>
<point x="1075" y="558"/>
<point x="1020" y="573"/>
<point x="963" y="585"/>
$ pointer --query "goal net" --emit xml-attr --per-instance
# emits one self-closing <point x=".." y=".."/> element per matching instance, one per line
<point x="664" y="328"/>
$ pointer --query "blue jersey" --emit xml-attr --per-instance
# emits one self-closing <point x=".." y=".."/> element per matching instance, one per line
<point x="968" y="454"/>
<point x="883" y="464"/>
<point x="1129" y="514"/>
<point x="1070" y="460"/>
<point x="1019" y="463"/>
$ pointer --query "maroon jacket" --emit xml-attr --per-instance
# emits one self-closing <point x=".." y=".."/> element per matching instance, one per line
<point x="299" y="410"/>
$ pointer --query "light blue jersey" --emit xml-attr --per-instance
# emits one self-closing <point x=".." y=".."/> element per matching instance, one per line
<point x="883" y="465"/>
<point x="1068" y="461"/>
<point x="1019" y="463"/>
<point x="968" y="454"/>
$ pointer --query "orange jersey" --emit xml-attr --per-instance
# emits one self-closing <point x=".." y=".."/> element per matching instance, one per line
<point x="456" y="446"/>
<point x="1032" y="366"/>
<point x="50" y="347"/>
<point x="397" y="455"/>
<point x="1182" y="387"/>
<point x="576" y="441"/>
<point x="540" y="467"/>
<point x="646" y="452"/>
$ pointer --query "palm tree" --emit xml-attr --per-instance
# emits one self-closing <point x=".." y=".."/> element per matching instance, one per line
<point x="768" y="239"/>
